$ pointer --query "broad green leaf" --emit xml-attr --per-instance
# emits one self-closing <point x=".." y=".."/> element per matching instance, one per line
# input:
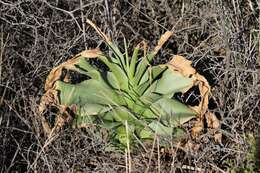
<point x="107" y="116"/>
<point x="89" y="91"/>
<point x="179" y="133"/>
<point x="91" y="109"/>
<point x="112" y="81"/>
<point x="84" y="120"/>
<point x="149" y="78"/>
<point x="118" y="72"/>
<point x="119" y="56"/>
<point x="151" y="98"/>
<point x="172" y="82"/>
<point x="84" y="65"/>
<point x="85" y="68"/>
<point x="160" y="129"/>
<point x="121" y="114"/>
<point x="171" y="112"/>
<point x="94" y="74"/>
<point x="127" y="59"/>
<point x="151" y="74"/>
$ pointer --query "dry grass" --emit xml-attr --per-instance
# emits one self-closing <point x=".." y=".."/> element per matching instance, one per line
<point x="220" y="37"/>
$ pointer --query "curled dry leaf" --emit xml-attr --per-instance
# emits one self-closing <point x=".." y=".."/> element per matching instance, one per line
<point x="162" y="40"/>
<point x="51" y="95"/>
<point x="213" y="123"/>
<point x="55" y="73"/>
<point x="104" y="36"/>
<point x="212" y="120"/>
<point x="182" y="65"/>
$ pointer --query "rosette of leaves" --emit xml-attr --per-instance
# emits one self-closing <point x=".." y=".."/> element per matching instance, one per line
<point x="133" y="99"/>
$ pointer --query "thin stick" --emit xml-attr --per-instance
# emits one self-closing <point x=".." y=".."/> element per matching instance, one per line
<point x="147" y="16"/>
<point x="126" y="161"/>
<point x="83" y="24"/>
<point x="158" y="152"/>
<point x="151" y="155"/>
<point x="1" y="54"/>
<point x="103" y="35"/>
<point x="2" y="47"/>
<point x="71" y="12"/>
<point x="47" y="142"/>
<point x="128" y="148"/>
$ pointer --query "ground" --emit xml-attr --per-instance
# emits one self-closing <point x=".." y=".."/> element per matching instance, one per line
<point x="220" y="37"/>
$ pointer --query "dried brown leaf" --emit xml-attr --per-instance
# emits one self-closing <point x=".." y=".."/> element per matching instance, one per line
<point x="55" y="73"/>
<point x="183" y="66"/>
<point x="51" y="95"/>
<point x="103" y="35"/>
<point x="93" y="53"/>
<point x="162" y="40"/>
<point x="195" y="131"/>
<point x="212" y="120"/>
<point x="218" y="137"/>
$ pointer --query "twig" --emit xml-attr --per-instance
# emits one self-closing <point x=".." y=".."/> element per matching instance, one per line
<point x="71" y="12"/>
<point x="128" y="148"/>
<point x="83" y="24"/>
<point x="158" y="154"/>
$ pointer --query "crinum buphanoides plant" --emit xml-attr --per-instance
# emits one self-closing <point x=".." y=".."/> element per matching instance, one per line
<point x="133" y="99"/>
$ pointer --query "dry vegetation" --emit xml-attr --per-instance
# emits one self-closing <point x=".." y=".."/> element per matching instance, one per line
<point x="220" y="37"/>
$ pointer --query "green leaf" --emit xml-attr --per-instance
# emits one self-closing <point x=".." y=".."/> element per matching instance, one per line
<point x="91" y="109"/>
<point x="172" y="82"/>
<point x="122" y="135"/>
<point x="118" y="72"/>
<point x="112" y="81"/>
<point x="133" y="62"/>
<point x="139" y="94"/>
<point x="84" y="65"/>
<point x="149" y="78"/>
<point x="119" y="56"/>
<point x="89" y="91"/>
<point x="151" y="73"/>
<point x="127" y="59"/>
<point x="142" y="67"/>
<point x="84" y="120"/>
<point x="146" y="133"/>
<point x="110" y="124"/>
<point x="171" y="112"/>
<point x="179" y="134"/>
<point x="160" y="129"/>
<point x="121" y="114"/>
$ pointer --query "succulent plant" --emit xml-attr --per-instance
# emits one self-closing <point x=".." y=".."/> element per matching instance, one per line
<point x="133" y="99"/>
